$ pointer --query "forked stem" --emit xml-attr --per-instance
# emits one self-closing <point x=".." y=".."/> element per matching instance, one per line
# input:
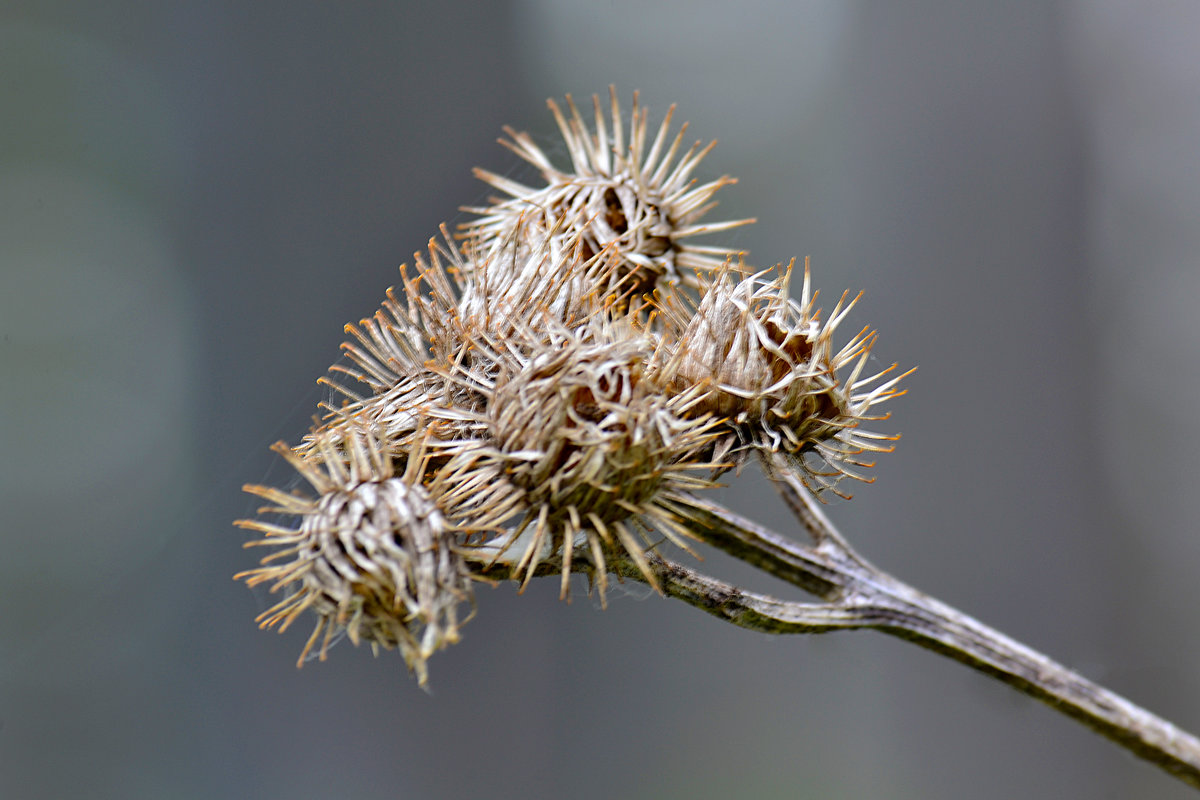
<point x="861" y="595"/>
<point x="857" y="594"/>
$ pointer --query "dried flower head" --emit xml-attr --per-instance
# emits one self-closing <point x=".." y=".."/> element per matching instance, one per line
<point x="769" y="370"/>
<point x="636" y="196"/>
<point x="553" y="398"/>
<point x="589" y="453"/>
<point x="431" y="353"/>
<point x="371" y="554"/>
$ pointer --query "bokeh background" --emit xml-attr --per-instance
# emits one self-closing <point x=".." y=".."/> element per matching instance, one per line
<point x="194" y="197"/>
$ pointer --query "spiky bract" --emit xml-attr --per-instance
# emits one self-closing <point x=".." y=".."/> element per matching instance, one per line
<point x="632" y="194"/>
<point x="370" y="555"/>
<point x="770" y="372"/>
<point x="592" y="450"/>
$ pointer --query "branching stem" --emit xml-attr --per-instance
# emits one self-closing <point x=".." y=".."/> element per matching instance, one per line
<point x="857" y="594"/>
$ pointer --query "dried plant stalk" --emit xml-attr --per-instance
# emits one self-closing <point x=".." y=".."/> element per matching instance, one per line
<point x="858" y="596"/>
<point x="555" y="391"/>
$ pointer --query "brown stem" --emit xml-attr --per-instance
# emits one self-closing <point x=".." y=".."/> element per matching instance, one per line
<point x="913" y="615"/>
<point x="859" y="595"/>
<point x="880" y="601"/>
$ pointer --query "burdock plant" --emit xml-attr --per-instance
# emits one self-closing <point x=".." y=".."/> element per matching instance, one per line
<point x="555" y="389"/>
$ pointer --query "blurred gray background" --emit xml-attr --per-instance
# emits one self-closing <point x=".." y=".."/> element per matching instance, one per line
<point x="194" y="198"/>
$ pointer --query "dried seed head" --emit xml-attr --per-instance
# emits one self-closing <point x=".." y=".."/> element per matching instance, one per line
<point x="370" y="555"/>
<point x="430" y="356"/>
<point x="412" y="354"/>
<point x="551" y="394"/>
<point x="535" y="273"/>
<point x="636" y="196"/>
<point x="768" y="369"/>
<point x="591" y="452"/>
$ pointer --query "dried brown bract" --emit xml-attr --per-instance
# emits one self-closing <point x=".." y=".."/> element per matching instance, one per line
<point x="370" y="555"/>
<point x="586" y="452"/>
<point x="769" y="370"/>
<point x="629" y="193"/>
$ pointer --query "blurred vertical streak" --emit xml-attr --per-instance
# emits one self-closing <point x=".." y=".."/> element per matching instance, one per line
<point x="195" y="198"/>
<point x="329" y="142"/>
<point x="1139" y="81"/>
<point x="98" y="345"/>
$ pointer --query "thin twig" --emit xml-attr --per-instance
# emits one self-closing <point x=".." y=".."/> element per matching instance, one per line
<point x="883" y="602"/>
<point x="859" y="595"/>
